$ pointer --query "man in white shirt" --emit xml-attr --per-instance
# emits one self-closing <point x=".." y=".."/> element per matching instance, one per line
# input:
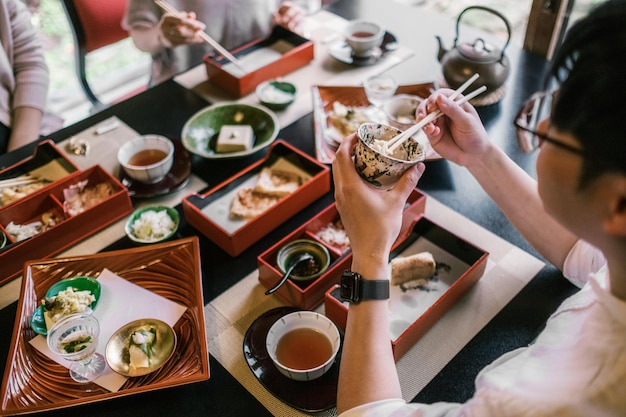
<point x="574" y="215"/>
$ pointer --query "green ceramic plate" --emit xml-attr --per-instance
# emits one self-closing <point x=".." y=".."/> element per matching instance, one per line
<point x="150" y="234"/>
<point x="37" y="321"/>
<point x="200" y="133"/>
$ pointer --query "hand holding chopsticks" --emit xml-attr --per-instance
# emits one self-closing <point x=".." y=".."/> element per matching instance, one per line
<point x="398" y="140"/>
<point x="170" y="9"/>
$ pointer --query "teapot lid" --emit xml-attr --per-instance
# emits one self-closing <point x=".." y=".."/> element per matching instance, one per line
<point x="479" y="51"/>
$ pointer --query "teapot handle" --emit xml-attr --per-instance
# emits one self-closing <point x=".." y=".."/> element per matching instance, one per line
<point x="486" y="9"/>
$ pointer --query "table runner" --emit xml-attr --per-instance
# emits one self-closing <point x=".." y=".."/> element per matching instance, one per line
<point x="508" y="270"/>
<point x="323" y="28"/>
<point x="103" y="151"/>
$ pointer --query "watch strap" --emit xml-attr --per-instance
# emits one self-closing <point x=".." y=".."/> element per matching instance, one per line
<point x="377" y="289"/>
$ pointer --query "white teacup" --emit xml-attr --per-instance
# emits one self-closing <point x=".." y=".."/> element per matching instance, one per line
<point x="147" y="158"/>
<point x="364" y="37"/>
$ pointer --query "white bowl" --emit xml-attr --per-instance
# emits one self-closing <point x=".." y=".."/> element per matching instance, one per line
<point x="147" y="158"/>
<point x="377" y="168"/>
<point x="364" y="37"/>
<point x="400" y="110"/>
<point x="320" y="326"/>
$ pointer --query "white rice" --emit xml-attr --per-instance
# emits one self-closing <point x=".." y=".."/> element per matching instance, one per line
<point x="153" y="225"/>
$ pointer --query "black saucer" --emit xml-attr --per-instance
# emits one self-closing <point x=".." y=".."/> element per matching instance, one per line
<point x="308" y="396"/>
<point x="342" y="52"/>
<point x="175" y="180"/>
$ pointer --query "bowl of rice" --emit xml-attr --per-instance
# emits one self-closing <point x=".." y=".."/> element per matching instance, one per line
<point x="152" y="224"/>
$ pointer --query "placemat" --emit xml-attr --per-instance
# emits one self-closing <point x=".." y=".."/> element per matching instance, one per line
<point x="508" y="270"/>
<point x="323" y="28"/>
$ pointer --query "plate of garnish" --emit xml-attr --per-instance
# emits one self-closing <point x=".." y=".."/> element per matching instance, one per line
<point x="69" y="296"/>
<point x="140" y="347"/>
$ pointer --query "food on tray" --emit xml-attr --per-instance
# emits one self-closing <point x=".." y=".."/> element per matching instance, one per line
<point x="140" y="346"/>
<point x="11" y="194"/>
<point x="420" y="266"/>
<point x="271" y="186"/>
<point x="76" y="345"/>
<point x="345" y="119"/>
<point x="276" y="182"/>
<point x="153" y="225"/>
<point x="249" y="203"/>
<point x="79" y="197"/>
<point x="334" y="234"/>
<point x="24" y="231"/>
<point x="234" y="138"/>
<point x="66" y="302"/>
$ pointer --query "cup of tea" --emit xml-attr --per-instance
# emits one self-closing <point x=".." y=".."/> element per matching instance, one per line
<point x="303" y="345"/>
<point x="364" y="37"/>
<point x="147" y="158"/>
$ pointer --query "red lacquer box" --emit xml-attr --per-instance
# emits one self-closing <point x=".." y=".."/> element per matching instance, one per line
<point x="278" y="54"/>
<point x="209" y="212"/>
<point x="309" y="294"/>
<point x="70" y="227"/>
<point x="416" y="306"/>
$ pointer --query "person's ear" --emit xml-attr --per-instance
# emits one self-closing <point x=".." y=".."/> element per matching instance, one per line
<point x="615" y="223"/>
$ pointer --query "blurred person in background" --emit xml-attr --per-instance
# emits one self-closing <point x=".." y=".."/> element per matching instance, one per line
<point x="24" y="77"/>
<point x="175" y="44"/>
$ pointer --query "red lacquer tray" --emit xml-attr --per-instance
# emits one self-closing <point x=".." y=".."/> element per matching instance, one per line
<point x="32" y="382"/>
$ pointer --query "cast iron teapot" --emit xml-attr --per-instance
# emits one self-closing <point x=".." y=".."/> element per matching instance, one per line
<point x="466" y="59"/>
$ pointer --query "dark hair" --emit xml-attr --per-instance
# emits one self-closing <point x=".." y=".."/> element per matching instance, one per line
<point x="590" y="68"/>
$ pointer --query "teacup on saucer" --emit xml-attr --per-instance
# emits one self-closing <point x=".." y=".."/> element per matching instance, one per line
<point x="364" y="38"/>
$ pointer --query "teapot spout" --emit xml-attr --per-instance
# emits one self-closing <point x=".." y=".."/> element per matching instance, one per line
<point x="442" y="50"/>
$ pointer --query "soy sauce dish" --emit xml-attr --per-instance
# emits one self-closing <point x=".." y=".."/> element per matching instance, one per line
<point x="303" y="345"/>
<point x="308" y="270"/>
<point x="152" y="224"/>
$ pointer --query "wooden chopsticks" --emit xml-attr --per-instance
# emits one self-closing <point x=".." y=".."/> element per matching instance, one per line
<point x="170" y="9"/>
<point x="19" y="181"/>
<point x="398" y="140"/>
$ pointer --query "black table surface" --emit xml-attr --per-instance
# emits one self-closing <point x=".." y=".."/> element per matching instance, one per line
<point x="165" y="108"/>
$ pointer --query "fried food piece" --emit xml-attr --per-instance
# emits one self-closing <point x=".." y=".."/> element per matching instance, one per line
<point x="409" y="268"/>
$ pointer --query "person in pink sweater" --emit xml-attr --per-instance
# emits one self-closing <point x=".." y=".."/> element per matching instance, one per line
<point x="24" y="77"/>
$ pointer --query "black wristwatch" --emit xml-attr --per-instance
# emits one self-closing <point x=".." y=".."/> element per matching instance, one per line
<point x="356" y="289"/>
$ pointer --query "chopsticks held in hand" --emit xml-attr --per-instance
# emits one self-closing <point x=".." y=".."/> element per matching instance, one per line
<point x="170" y="9"/>
<point x="398" y="140"/>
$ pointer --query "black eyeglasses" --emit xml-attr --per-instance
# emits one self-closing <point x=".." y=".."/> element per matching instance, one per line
<point x="536" y="109"/>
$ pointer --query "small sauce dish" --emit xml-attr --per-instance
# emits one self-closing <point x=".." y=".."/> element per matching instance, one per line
<point x="275" y="94"/>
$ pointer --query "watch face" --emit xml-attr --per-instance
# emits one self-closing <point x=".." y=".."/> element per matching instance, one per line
<point x="348" y="291"/>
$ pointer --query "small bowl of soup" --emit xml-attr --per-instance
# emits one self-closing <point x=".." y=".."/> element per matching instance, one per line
<point x="303" y="345"/>
<point x="147" y="158"/>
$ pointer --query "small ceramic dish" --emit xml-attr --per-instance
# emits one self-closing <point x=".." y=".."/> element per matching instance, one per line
<point x="377" y="167"/>
<point x="117" y="350"/>
<point x="3" y="239"/>
<point x="275" y="94"/>
<point x="292" y="250"/>
<point x="303" y="345"/>
<point x="400" y="110"/>
<point x="152" y="224"/>
<point x="79" y="283"/>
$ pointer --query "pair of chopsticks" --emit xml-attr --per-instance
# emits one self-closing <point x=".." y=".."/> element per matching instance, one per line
<point x="19" y="181"/>
<point x="170" y="9"/>
<point x="398" y="140"/>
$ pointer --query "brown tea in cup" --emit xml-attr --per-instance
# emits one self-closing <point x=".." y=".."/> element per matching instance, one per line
<point x="147" y="157"/>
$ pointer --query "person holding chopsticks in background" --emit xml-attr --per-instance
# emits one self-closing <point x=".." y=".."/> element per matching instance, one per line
<point x="175" y="44"/>
<point x="574" y="215"/>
